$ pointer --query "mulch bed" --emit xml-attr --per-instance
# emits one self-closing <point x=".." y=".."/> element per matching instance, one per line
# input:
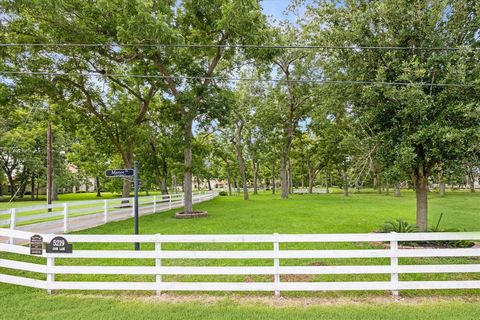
<point x="191" y="215"/>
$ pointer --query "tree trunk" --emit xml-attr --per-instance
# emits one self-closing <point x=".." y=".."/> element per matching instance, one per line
<point x="97" y="186"/>
<point x="237" y="143"/>
<point x="229" y="182"/>
<point x="237" y="185"/>
<point x="32" y="187"/>
<point x="345" y="182"/>
<point x="255" y="177"/>
<point x="187" y="176"/>
<point x="55" y="192"/>
<point x="396" y="187"/>
<point x="126" y="183"/>
<point x="12" y="184"/>
<point x="327" y="183"/>
<point x="441" y="183"/>
<point x="209" y="185"/>
<point x="23" y="184"/>
<point x="241" y="165"/>
<point x="420" y="181"/>
<point x="284" y="174"/>
<point x="273" y="179"/>
<point x="357" y="186"/>
<point x="471" y="180"/>
<point x="379" y="184"/>
<point x="160" y="170"/>
<point x="310" y="180"/>
<point x="163" y="185"/>
<point x="290" y="177"/>
<point x="174" y="183"/>
<point x="441" y="189"/>
<point x="387" y="187"/>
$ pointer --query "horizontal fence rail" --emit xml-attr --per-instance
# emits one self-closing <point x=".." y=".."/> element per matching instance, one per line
<point x="102" y="210"/>
<point x="275" y="254"/>
<point x="306" y="190"/>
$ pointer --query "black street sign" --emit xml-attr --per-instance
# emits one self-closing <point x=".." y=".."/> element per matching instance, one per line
<point x="123" y="173"/>
<point x="119" y="173"/>
<point x="59" y="245"/>
<point x="36" y="244"/>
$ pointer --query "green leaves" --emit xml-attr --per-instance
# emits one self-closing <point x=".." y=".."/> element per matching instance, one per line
<point x="399" y="226"/>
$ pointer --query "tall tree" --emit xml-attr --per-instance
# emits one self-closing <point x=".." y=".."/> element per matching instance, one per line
<point x="106" y="23"/>
<point x="291" y="97"/>
<point x="420" y="124"/>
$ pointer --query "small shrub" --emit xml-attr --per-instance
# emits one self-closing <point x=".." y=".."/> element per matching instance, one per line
<point x="402" y="226"/>
<point x="399" y="226"/>
<point x="223" y="193"/>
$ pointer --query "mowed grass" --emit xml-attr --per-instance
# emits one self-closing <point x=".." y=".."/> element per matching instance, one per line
<point x="318" y="213"/>
<point x="262" y="214"/>
<point x="332" y="213"/>
<point x="34" y="304"/>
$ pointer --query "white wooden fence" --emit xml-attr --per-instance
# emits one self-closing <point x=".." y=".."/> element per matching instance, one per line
<point x="393" y="269"/>
<point x="306" y="190"/>
<point x="109" y="209"/>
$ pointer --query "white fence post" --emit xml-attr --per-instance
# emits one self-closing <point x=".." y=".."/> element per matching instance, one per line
<point x="394" y="265"/>
<point x="65" y="217"/>
<point x="276" y="264"/>
<point x="154" y="204"/>
<point x="158" y="262"/>
<point x="13" y="221"/>
<point x="50" y="274"/>
<point x="169" y="202"/>
<point x="133" y="207"/>
<point x="105" y="211"/>
<point x="183" y="200"/>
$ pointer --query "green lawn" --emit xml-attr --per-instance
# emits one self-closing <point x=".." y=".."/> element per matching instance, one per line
<point x="264" y="213"/>
<point x="21" y="303"/>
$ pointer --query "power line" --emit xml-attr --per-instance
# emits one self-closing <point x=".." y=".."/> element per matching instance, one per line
<point x="173" y="77"/>
<point x="240" y="46"/>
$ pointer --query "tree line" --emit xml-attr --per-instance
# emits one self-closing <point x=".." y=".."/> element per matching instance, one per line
<point x="354" y="93"/>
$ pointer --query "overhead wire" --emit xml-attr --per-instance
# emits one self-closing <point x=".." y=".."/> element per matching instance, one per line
<point x="236" y="79"/>
<point x="240" y="46"/>
<point x="233" y="79"/>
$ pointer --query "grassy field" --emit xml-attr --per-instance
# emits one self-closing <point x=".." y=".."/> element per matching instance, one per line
<point x="264" y="213"/>
<point x="21" y="303"/>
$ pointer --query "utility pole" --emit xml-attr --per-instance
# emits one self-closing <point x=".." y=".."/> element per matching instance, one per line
<point x="49" y="161"/>
<point x="135" y="202"/>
